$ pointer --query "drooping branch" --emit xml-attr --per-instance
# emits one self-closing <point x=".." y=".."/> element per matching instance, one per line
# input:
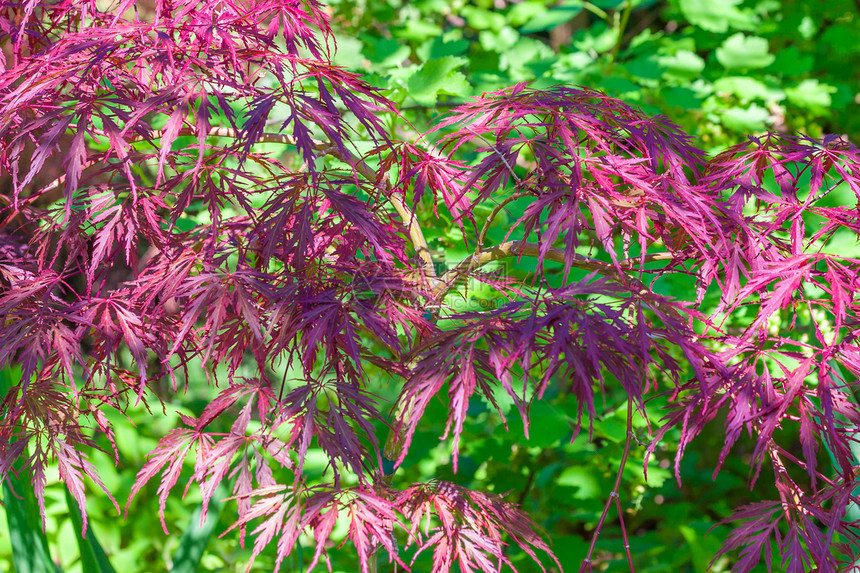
<point x="395" y="440"/>
<point x="416" y="235"/>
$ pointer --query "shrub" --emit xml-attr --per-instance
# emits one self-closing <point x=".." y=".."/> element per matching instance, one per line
<point x="172" y="236"/>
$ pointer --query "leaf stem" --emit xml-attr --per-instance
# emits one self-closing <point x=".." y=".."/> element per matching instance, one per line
<point x="595" y="10"/>
<point x="625" y="17"/>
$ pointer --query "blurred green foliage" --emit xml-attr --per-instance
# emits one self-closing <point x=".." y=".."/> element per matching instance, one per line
<point x="722" y="69"/>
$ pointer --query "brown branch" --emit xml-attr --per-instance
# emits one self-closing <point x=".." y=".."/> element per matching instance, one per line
<point x="523" y="248"/>
<point x="493" y="214"/>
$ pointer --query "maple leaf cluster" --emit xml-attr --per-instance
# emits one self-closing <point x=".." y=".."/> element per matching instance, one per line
<point x="172" y="236"/>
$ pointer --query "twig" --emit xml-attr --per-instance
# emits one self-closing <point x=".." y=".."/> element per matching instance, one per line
<point x="523" y="248"/>
<point x="625" y="17"/>
<point x="483" y="235"/>
<point x="613" y="495"/>
<point x="497" y="152"/>
<point x="624" y="534"/>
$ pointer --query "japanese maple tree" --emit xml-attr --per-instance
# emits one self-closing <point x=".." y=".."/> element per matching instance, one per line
<point x="173" y="235"/>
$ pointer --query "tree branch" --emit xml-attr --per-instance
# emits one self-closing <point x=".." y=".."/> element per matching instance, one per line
<point x="523" y="248"/>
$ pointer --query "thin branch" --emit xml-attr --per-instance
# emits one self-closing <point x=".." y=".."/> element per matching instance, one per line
<point x="624" y="534"/>
<point x="523" y="248"/>
<point x="613" y="495"/>
<point x="502" y="204"/>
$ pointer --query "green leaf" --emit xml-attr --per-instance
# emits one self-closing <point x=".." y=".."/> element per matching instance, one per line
<point x="417" y="30"/>
<point x="438" y="76"/>
<point x="582" y="478"/>
<point x="499" y="41"/>
<point x="549" y="19"/>
<point x="522" y="12"/>
<point x="645" y="69"/>
<point x="196" y="536"/>
<point x="384" y="51"/>
<point x="182" y="223"/>
<point x="598" y="38"/>
<point x="716" y="15"/>
<point x="682" y="66"/>
<point x="698" y="552"/>
<point x="348" y="53"/>
<point x="684" y="98"/>
<point x="518" y="58"/>
<point x="749" y="119"/>
<point x="744" y="52"/>
<point x="569" y="548"/>
<point x="657" y="476"/>
<point x="481" y="19"/>
<point x="807" y="28"/>
<point x="29" y="544"/>
<point x="30" y="552"/>
<point x="840" y="40"/>
<point x="93" y="556"/>
<point x="548" y="424"/>
<point x="791" y="62"/>
<point x="811" y="94"/>
<point x="625" y="88"/>
<point x="439" y="47"/>
<point x="747" y="89"/>
<point x="613" y="428"/>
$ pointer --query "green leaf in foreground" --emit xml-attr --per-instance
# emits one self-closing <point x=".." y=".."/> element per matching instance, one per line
<point x="93" y="556"/>
<point x="197" y="534"/>
<point x="30" y="552"/>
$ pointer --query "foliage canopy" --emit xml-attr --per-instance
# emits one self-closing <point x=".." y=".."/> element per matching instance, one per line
<point x="312" y="270"/>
